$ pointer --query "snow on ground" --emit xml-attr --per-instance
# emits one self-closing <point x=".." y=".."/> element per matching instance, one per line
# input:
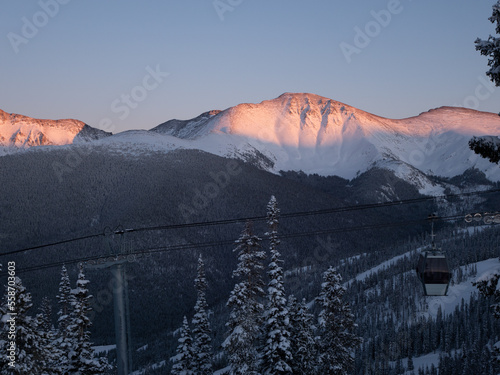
<point x="422" y="362"/>
<point x="139" y="142"/>
<point x="103" y="348"/>
<point x="474" y="229"/>
<point x="297" y="271"/>
<point x="352" y="259"/>
<point x="223" y="371"/>
<point x="382" y="266"/>
<point x="154" y="366"/>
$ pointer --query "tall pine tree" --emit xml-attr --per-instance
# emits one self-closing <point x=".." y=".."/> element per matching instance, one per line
<point x="336" y="323"/>
<point x="489" y="146"/>
<point x="31" y="356"/>
<point x="277" y="355"/>
<point x="63" y="342"/>
<point x="48" y="337"/>
<point x="202" y="341"/>
<point x="184" y="358"/>
<point x="245" y="302"/>
<point x="303" y="345"/>
<point x="491" y="47"/>
<point x="81" y="357"/>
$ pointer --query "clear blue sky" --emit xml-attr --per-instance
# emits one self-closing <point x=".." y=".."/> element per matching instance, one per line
<point x="82" y="58"/>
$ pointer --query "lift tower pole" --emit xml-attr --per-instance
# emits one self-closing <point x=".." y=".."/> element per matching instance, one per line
<point x="117" y="265"/>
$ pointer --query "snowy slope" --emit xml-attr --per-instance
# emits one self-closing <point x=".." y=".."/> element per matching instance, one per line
<point x="184" y="128"/>
<point x="319" y="135"/>
<point x="463" y="290"/>
<point x="456" y="291"/>
<point x="383" y="266"/>
<point x="22" y="131"/>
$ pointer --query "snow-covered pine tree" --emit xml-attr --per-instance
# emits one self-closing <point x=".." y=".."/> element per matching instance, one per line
<point x="491" y="47"/>
<point x="65" y="299"/>
<point x="45" y="316"/>
<point x="303" y="346"/>
<point x="488" y="147"/>
<point x="81" y="359"/>
<point x="336" y="323"/>
<point x="489" y="286"/>
<point x="184" y="358"/>
<point x="31" y="355"/>
<point x="63" y="341"/>
<point x="48" y="337"/>
<point x="202" y="341"/>
<point x="245" y="318"/>
<point x="276" y="355"/>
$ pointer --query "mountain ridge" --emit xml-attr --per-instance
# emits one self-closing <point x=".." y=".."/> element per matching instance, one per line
<point x="354" y="113"/>
<point x="316" y="135"/>
<point x="23" y="131"/>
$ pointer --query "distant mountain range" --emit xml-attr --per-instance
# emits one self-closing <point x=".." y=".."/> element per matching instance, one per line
<point x="298" y="132"/>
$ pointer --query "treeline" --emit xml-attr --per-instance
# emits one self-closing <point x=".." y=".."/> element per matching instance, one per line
<point x="268" y="333"/>
<point x="32" y="345"/>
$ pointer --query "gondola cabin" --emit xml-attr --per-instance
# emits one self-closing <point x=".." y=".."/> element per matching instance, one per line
<point x="433" y="271"/>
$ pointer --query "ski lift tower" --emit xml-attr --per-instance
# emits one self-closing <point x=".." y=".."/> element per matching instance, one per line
<point x="113" y="240"/>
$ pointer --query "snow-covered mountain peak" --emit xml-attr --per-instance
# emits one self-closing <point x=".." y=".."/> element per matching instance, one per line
<point x="308" y="132"/>
<point x="23" y="131"/>
<point x="287" y="112"/>
<point x="462" y="120"/>
<point x="186" y="129"/>
<point x="292" y="120"/>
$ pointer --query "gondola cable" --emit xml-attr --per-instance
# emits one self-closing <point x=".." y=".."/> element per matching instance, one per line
<point x="255" y="218"/>
<point x="188" y="246"/>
